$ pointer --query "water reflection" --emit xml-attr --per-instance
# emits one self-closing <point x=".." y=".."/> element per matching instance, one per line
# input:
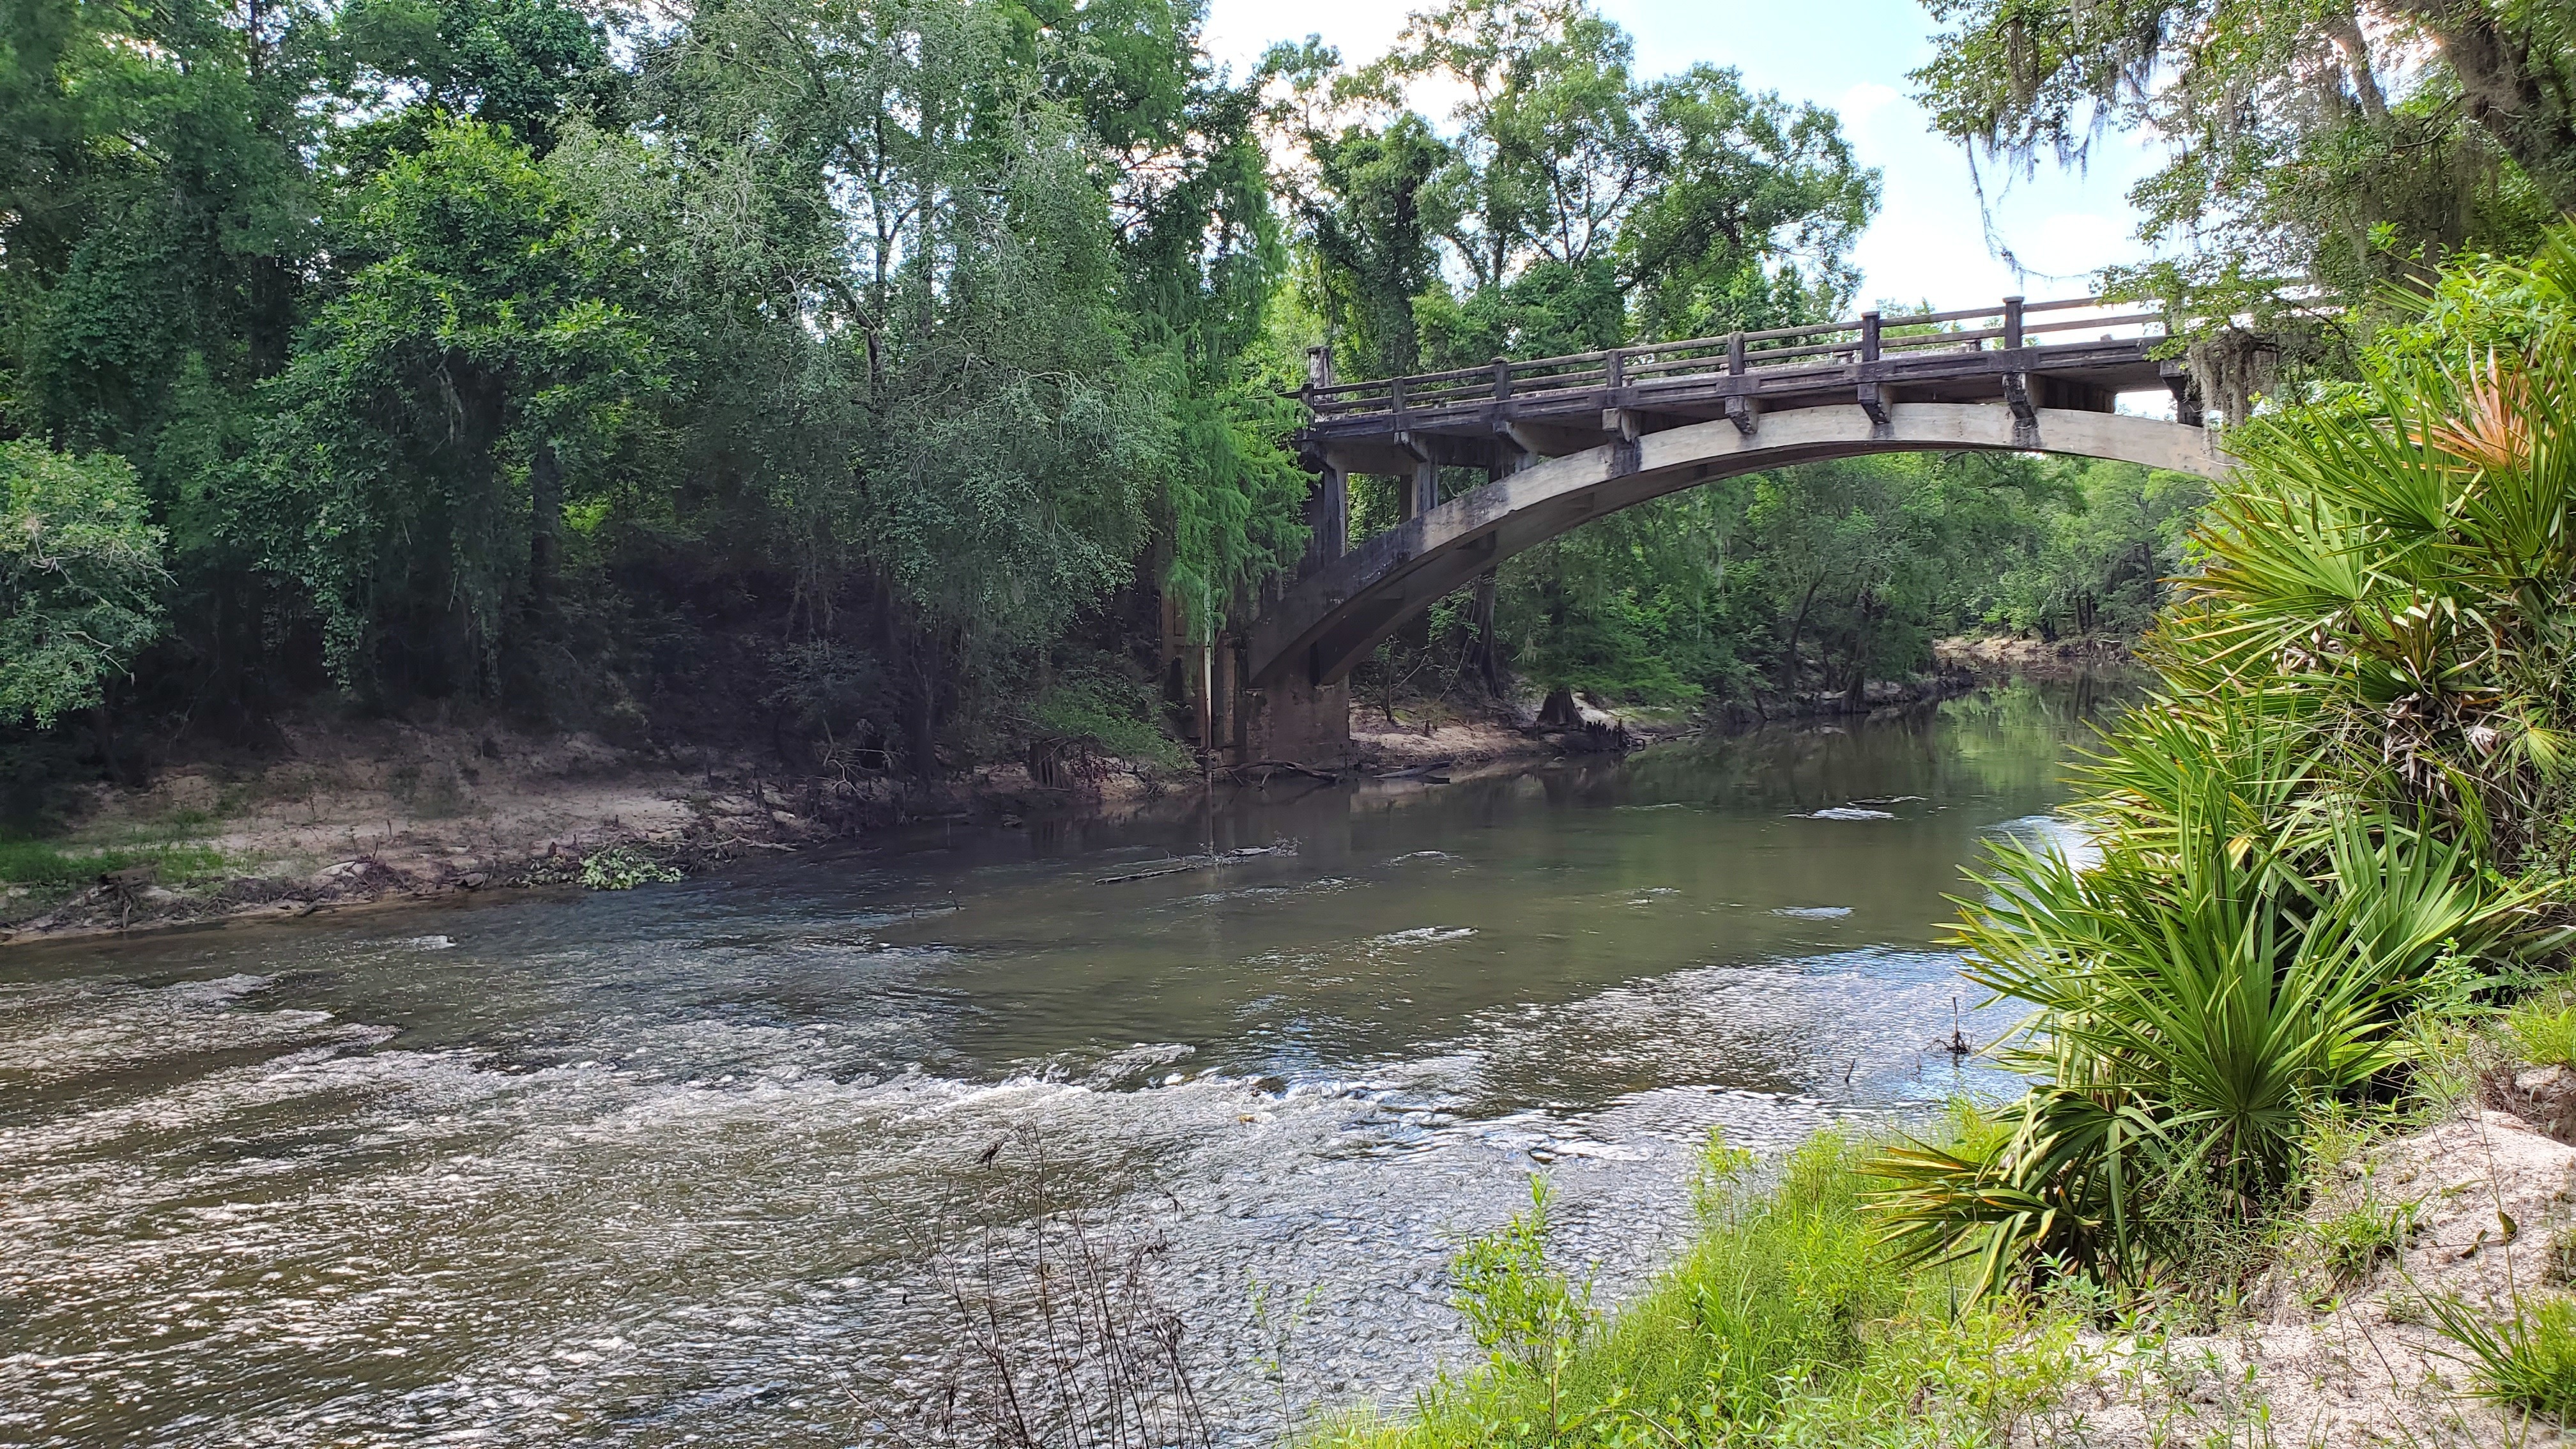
<point x="632" y="1168"/>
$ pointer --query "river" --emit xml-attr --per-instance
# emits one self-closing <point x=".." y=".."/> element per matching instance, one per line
<point x="669" y="1165"/>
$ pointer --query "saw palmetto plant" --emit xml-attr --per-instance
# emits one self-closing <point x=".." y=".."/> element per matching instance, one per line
<point x="2399" y="569"/>
<point x="2193" y="1005"/>
<point x="2350" y="797"/>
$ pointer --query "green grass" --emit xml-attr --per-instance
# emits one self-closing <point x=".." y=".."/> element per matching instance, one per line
<point x="2354" y="1241"/>
<point x="1782" y="1325"/>
<point x="2528" y="1361"/>
<point x="2543" y="1029"/>
<point x="48" y="866"/>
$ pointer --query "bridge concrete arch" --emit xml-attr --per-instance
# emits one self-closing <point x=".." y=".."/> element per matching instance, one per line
<point x="1301" y="648"/>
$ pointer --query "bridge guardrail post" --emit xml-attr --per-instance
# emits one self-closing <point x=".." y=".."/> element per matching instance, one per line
<point x="2012" y="324"/>
<point x="1502" y="379"/>
<point x="1735" y="354"/>
<point x="1870" y="325"/>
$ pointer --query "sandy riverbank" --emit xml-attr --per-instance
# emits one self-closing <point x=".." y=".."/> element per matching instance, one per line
<point x="341" y="813"/>
<point x="347" y="814"/>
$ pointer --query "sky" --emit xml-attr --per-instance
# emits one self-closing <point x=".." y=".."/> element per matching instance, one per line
<point x="1928" y="243"/>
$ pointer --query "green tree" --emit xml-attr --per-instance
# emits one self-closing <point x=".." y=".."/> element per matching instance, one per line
<point x="1044" y="259"/>
<point x="1589" y="204"/>
<point x="519" y="64"/>
<point x="2306" y="143"/>
<point x="2101" y="548"/>
<point x="80" y="579"/>
<point x="474" y="369"/>
<point x="1373" y="221"/>
<point x="159" y="237"/>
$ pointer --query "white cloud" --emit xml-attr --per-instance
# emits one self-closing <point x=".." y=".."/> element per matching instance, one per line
<point x="1864" y="101"/>
<point x="2077" y="237"/>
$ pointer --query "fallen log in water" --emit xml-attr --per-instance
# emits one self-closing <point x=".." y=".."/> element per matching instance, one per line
<point x="1182" y="865"/>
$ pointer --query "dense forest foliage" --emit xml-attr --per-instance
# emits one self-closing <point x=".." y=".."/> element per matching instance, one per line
<point x="884" y="381"/>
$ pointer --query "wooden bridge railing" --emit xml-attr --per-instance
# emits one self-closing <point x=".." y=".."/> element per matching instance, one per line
<point x="1866" y="338"/>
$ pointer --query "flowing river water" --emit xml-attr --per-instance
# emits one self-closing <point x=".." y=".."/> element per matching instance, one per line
<point x="670" y="1165"/>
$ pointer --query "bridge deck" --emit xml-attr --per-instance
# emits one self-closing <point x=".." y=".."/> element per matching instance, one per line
<point x="1499" y="415"/>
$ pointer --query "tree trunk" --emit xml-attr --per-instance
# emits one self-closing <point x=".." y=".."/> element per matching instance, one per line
<point x="2506" y="93"/>
<point x="923" y="724"/>
<point x="1797" y="625"/>
<point x="545" y="528"/>
<point x="1485" y="653"/>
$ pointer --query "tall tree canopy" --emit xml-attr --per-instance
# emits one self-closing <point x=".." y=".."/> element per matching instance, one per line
<point x="471" y="348"/>
<point x="890" y="382"/>
<point x="2335" y="143"/>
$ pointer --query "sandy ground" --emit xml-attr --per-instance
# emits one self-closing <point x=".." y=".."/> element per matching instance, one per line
<point x="1996" y="654"/>
<point x="352" y="812"/>
<point x="2350" y="1361"/>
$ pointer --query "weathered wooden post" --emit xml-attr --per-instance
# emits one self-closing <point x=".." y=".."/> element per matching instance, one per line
<point x="1739" y="408"/>
<point x="2012" y="324"/>
<point x="1871" y="324"/>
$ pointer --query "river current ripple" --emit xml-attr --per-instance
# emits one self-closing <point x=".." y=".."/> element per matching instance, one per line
<point x="669" y="1166"/>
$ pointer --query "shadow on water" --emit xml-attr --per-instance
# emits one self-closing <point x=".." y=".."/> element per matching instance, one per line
<point x="628" y="1168"/>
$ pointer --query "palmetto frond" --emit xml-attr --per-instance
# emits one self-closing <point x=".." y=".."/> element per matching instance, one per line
<point x="2339" y="803"/>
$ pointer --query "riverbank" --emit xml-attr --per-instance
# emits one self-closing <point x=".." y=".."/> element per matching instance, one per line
<point x="1991" y="654"/>
<point x="343" y="813"/>
<point x="346" y="814"/>
<point x="2352" y="1326"/>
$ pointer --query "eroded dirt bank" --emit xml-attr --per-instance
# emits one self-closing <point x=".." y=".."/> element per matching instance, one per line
<point x="2344" y="1348"/>
<point x="343" y="813"/>
<point x="348" y="814"/>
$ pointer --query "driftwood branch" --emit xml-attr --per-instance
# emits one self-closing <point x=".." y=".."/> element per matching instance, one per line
<point x="1182" y="865"/>
<point x="1283" y="767"/>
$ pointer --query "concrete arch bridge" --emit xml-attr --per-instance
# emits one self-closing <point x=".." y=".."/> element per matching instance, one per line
<point x="1564" y="440"/>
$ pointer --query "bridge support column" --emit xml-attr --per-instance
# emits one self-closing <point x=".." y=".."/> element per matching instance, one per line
<point x="1423" y="492"/>
<point x="1299" y="723"/>
<point x="1305" y="724"/>
<point x="1328" y="518"/>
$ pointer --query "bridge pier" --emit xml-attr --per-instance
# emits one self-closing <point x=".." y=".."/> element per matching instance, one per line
<point x="1298" y="721"/>
<point x="1302" y="723"/>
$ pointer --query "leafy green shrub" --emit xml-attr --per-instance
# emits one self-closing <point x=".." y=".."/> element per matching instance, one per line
<point x="80" y="577"/>
<point x="1781" y="1325"/>
<point x="623" y="867"/>
<point x="1526" y="1314"/>
<point x="2198" y="995"/>
<point x="2544" y="1031"/>
<point x="1115" y="715"/>
<point x="2528" y="1360"/>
